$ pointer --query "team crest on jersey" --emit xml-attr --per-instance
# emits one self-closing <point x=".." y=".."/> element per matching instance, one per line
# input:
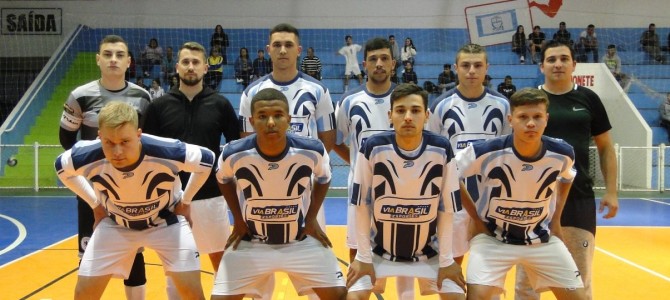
<point x="273" y="166"/>
<point x="408" y="164"/>
<point x="379" y="101"/>
<point x="283" y="88"/>
<point x="296" y="127"/>
<point x="472" y="105"/>
<point x="526" y="167"/>
<point x="128" y="174"/>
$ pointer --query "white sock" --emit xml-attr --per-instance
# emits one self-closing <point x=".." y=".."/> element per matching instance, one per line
<point x="171" y="289"/>
<point x="136" y="292"/>
<point x="405" y="287"/>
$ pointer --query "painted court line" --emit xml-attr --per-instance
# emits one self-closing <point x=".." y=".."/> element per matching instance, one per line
<point x="38" y="251"/>
<point x="655" y="201"/>
<point x="652" y="272"/>
<point x="22" y="234"/>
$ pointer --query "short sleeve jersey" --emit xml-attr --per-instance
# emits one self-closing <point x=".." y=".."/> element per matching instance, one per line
<point x="405" y="191"/>
<point x="309" y="102"/>
<point x="274" y="192"/>
<point x="465" y="121"/>
<point x="80" y="111"/>
<point x="144" y="196"/>
<point x="518" y="196"/>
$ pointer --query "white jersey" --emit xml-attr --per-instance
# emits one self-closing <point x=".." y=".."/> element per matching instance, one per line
<point x="349" y="53"/>
<point x="518" y="196"/>
<point x="405" y="191"/>
<point x="360" y="115"/>
<point x="310" y="105"/>
<point x="144" y="196"/>
<point x="274" y="192"/>
<point x="465" y="121"/>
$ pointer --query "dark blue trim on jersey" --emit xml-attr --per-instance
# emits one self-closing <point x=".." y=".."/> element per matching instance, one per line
<point x="292" y="140"/>
<point x="388" y="138"/>
<point x="58" y="165"/>
<point x="207" y="157"/>
<point x="163" y="148"/>
<point x="85" y="153"/>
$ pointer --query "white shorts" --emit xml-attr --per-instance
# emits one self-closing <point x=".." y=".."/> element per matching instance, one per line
<point x="461" y="240"/>
<point x="246" y="270"/>
<point x="424" y="271"/>
<point x="547" y="264"/>
<point x="112" y="248"/>
<point x="352" y="69"/>
<point x="211" y="227"/>
<point x="351" y="227"/>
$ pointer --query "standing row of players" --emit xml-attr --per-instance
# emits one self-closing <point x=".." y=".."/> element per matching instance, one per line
<point x="403" y="184"/>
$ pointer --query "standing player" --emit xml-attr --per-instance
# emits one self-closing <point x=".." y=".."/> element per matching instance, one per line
<point x="196" y="114"/>
<point x="405" y="189"/>
<point x="275" y="183"/>
<point x="525" y="178"/>
<point x="577" y="117"/>
<point x="360" y="114"/>
<point x="80" y="116"/>
<point x="468" y="114"/>
<point x="351" y="67"/>
<point x="130" y="180"/>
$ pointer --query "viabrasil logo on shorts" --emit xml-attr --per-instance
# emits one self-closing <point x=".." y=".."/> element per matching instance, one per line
<point x="275" y="212"/>
<point x="405" y="211"/>
<point x="296" y="127"/>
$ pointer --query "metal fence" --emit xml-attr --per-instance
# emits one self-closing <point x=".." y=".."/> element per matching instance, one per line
<point x="640" y="168"/>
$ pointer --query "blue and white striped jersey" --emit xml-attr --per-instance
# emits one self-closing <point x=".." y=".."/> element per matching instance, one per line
<point x="310" y="105"/>
<point x="144" y="196"/>
<point x="405" y="191"/>
<point x="464" y="121"/>
<point x="274" y="192"/>
<point x="518" y="196"/>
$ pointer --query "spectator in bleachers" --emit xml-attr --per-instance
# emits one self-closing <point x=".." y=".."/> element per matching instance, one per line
<point x="156" y="90"/>
<point x="613" y="62"/>
<point x="351" y="60"/>
<point x="563" y="35"/>
<point x="168" y="64"/>
<point x="487" y="81"/>
<point x="151" y="55"/>
<point x="311" y="64"/>
<point x="519" y="44"/>
<point x="261" y="65"/>
<point x="408" y="52"/>
<point x="243" y="67"/>
<point x="140" y="82"/>
<point x="174" y="81"/>
<point x="220" y="38"/>
<point x="409" y="76"/>
<point x="535" y="43"/>
<point x="131" y="72"/>
<point x="396" y="56"/>
<point x="664" y="110"/>
<point x="446" y="80"/>
<point x="507" y="88"/>
<point x="651" y="44"/>
<point x="588" y="42"/>
<point x="215" y="68"/>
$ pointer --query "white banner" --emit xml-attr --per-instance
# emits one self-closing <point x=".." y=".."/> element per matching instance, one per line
<point x="496" y="22"/>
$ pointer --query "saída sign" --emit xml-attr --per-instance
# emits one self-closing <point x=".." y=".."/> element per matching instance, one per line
<point x="27" y="21"/>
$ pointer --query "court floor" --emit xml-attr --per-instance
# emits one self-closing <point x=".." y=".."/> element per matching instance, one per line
<point x="38" y="252"/>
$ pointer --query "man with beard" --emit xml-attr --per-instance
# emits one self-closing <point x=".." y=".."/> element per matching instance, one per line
<point x="196" y="114"/>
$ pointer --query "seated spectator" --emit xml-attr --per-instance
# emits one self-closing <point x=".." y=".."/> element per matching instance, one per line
<point x="311" y="64"/>
<point x="408" y="52"/>
<point x="151" y="55"/>
<point x="215" y="71"/>
<point x="174" y="81"/>
<point x="394" y="77"/>
<point x="652" y="45"/>
<point x="487" y="81"/>
<point x="535" y="43"/>
<point x="261" y="65"/>
<point x="409" y="76"/>
<point x="506" y="88"/>
<point x="140" y="82"/>
<point x="588" y="42"/>
<point x="664" y="110"/>
<point x="156" y="90"/>
<point x="243" y="68"/>
<point x="131" y="72"/>
<point x="613" y="62"/>
<point x="446" y="80"/>
<point x="168" y="64"/>
<point x="563" y="35"/>
<point x="220" y="38"/>
<point x="519" y="44"/>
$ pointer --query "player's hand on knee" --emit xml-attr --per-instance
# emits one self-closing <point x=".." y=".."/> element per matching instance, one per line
<point x="358" y="269"/>
<point x="240" y="230"/>
<point x="313" y="229"/>
<point x="452" y="272"/>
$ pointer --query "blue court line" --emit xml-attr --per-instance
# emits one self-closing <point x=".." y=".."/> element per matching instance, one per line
<point x="49" y="220"/>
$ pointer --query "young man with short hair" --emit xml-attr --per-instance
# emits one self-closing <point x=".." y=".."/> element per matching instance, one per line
<point x="282" y="181"/>
<point x="351" y="68"/>
<point x="578" y="117"/>
<point x="80" y="118"/>
<point x="405" y="193"/>
<point x="130" y="181"/>
<point x="525" y="179"/>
